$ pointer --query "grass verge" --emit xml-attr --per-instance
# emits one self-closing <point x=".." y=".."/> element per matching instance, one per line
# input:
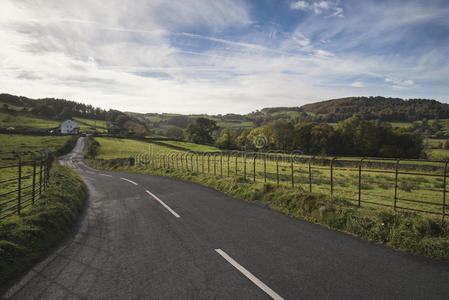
<point x="411" y="232"/>
<point x="26" y="238"/>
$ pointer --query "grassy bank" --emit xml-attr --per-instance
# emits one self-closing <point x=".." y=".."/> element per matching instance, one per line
<point x="26" y="238"/>
<point x="410" y="232"/>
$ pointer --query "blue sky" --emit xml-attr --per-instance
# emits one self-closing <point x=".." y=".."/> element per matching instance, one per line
<point x="224" y="56"/>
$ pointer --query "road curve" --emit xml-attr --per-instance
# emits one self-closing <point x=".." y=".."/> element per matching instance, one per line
<point x="149" y="237"/>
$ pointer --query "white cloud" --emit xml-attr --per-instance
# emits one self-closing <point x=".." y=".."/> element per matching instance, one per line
<point x="147" y="56"/>
<point x="300" y="5"/>
<point x="399" y="83"/>
<point x="318" y="7"/>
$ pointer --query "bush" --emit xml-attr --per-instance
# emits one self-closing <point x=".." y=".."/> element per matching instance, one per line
<point x="445" y="145"/>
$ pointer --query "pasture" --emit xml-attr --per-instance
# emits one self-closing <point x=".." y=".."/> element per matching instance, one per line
<point x="9" y="169"/>
<point x="111" y="148"/>
<point x="23" y="121"/>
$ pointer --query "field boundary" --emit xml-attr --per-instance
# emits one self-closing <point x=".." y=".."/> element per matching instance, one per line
<point x="413" y="185"/>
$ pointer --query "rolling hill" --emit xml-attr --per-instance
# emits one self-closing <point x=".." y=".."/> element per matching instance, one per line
<point x="23" y="112"/>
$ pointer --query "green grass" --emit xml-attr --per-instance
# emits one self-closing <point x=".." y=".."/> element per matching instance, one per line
<point x="57" y="144"/>
<point x="111" y="148"/>
<point x="191" y="146"/>
<point x="11" y="107"/>
<point x="401" y="124"/>
<point x="20" y="121"/>
<point x="236" y="125"/>
<point x="433" y="149"/>
<point x="26" y="238"/>
<point x="91" y="126"/>
<point x="433" y="143"/>
<point x="18" y="142"/>
<point x="438" y="154"/>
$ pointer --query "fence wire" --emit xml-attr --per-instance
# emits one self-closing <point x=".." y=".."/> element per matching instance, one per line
<point x="414" y="185"/>
<point x="23" y="178"/>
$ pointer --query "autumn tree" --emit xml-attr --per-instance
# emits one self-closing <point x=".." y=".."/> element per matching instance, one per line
<point x="227" y="139"/>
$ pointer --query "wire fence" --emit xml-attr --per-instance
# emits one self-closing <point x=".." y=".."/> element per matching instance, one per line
<point x="413" y="185"/>
<point x="23" y="178"/>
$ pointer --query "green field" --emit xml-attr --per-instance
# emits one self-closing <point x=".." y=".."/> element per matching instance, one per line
<point x="164" y="126"/>
<point x="432" y="148"/>
<point x="111" y="148"/>
<point x="91" y="126"/>
<point x="191" y="146"/>
<point x="377" y="183"/>
<point x="20" y="121"/>
<point x="400" y="124"/>
<point x="18" y="142"/>
<point x="22" y="143"/>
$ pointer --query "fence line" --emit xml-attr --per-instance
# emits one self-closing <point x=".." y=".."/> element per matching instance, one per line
<point x="24" y="176"/>
<point x="413" y="185"/>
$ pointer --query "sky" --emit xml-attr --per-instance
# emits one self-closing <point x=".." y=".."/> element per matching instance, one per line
<point x="222" y="56"/>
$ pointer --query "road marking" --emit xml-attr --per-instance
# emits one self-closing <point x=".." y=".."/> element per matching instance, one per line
<point x="250" y="276"/>
<point x="163" y="204"/>
<point x="130" y="181"/>
<point x="106" y="175"/>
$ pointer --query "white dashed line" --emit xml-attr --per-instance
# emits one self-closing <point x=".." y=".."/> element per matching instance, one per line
<point x="106" y="175"/>
<point x="163" y="204"/>
<point x="248" y="275"/>
<point x="130" y="181"/>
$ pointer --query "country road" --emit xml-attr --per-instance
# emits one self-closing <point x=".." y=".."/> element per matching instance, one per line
<point x="149" y="237"/>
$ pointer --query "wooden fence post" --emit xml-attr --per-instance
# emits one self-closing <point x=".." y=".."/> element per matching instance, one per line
<point x="310" y="174"/>
<point x="360" y="182"/>
<point x="277" y="170"/>
<point x="444" y="190"/>
<point x="332" y="176"/>
<point x="396" y="184"/>
<point x="19" y="183"/>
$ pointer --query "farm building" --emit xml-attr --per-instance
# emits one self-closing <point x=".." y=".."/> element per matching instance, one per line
<point x="116" y="129"/>
<point x="69" y="127"/>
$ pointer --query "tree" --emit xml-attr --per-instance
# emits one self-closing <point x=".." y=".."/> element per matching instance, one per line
<point x="242" y="141"/>
<point x="435" y="125"/>
<point x="66" y="113"/>
<point x="201" y="131"/>
<point x="303" y="137"/>
<point x="179" y="121"/>
<point x="282" y="131"/>
<point x="445" y="145"/>
<point x="227" y="139"/>
<point x="175" y="133"/>
<point x="121" y="119"/>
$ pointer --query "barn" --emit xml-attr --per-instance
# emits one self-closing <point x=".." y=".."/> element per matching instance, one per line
<point x="69" y="127"/>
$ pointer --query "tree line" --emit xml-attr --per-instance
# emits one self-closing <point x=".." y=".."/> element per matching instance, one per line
<point x="352" y="137"/>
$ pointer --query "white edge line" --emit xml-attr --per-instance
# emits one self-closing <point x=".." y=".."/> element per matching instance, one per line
<point x="130" y="181"/>
<point x="250" y="276"/>
<point x="106" y="175"/>
<point x="163" y="204"/>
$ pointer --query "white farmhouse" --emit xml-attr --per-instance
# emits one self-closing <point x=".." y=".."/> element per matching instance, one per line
<point x="69" y="127"/>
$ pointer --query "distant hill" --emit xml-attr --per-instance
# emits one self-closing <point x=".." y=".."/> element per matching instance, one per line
<point x="22" y="112"/>
<point x="377" y="108"/>
<point x="173" y="125"/>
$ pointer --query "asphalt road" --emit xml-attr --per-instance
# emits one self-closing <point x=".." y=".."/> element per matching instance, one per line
<point x="153" y="237"/>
